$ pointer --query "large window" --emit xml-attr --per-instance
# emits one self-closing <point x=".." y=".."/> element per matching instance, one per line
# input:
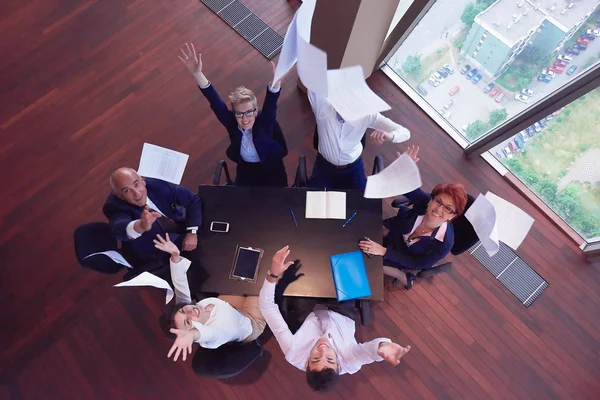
<point x="478" y="63"/>
<point x="558" y="158"/>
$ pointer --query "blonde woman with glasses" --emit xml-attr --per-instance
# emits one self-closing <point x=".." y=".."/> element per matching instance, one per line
<point x="257" y="144"/>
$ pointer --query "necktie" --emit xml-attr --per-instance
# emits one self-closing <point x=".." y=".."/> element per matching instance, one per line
<point x="323" y="316"/>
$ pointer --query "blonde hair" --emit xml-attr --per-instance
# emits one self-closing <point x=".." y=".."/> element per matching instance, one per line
<point x="242" y="94"/>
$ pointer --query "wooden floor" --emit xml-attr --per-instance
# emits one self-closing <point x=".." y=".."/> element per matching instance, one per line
<point x="84" y="83"/>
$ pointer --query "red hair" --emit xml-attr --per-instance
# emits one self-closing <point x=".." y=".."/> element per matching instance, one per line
<point x="454" y="190"/>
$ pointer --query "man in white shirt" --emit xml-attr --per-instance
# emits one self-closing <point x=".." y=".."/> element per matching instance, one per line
<point x="324" y="346"/>
<point x="211" y="322"/>
<point x="339" y="162"/>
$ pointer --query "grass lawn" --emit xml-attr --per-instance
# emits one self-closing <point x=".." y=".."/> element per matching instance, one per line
<point x="430" y="63"/>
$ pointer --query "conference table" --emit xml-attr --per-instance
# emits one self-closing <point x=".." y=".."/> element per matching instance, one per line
<point x="260" y="217"/>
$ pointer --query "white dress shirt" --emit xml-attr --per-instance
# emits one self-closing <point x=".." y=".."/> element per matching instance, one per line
<point x="439" y="236"/>
<point x="340" y="331"/>
<point x="339" y="140"/>
<point x="132" y="234"/>
<point x="225" y="323"/>
<point x="248" y="150"/>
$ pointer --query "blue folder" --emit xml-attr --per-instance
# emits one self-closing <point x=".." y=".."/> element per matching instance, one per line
<point x="350" y="276"/>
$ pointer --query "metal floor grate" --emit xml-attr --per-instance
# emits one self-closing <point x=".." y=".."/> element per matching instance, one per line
<point x="514" y="273"/>
<point x="248" y="25"/>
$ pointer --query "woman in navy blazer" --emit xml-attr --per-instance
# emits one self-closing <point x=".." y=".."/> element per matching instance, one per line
<point x="418" y="237"/>
<point x="257" y="144"/>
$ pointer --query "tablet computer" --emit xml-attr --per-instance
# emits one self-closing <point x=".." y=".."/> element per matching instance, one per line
<point x="246" y="263"/>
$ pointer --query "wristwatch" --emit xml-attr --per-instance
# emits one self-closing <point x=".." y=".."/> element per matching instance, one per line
<point x="193" y="231"/>
<point x="271" y="274"/>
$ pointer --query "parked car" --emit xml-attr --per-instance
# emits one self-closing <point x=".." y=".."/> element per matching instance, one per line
<point x="422" y="90"/>
<point x="555" y="113"/>
<point x="489" y="87"/>
<point x="556" y="68"/>
<point x="573" y="52"/>
<point x="472" y="73"/>
<point x="564" y="58"/>
<point x="523" y="134"/>
<point x="543" y="122"/>
<point x="519" y="141"/>
<point x="438" y="77"/>
<point x="499" y="97"/>
<point x="494" y="92"/>
<point x="537" y="127"/>
<point x="476" y="78"/>
<point x="572" y="70"/>
<point x="465" y="69"/>
<point x="594" y="32"/>
<point x="580" y="46"/>
<point x="588" y="36"/>
<point x="513" y="146"/>
<point x="500" y="154"/>
<point x="508" y="152"/>
<point x="530" y="131"/>
<point x="448" y="104"/>
<point x="522" y="98"/>
<point x="527" y="92"/>
<point x="448" y="68"/>
<point x="549" y="73"/>
<point x="550" y="117"/>
<point x="561" y="63"/>
<point x="433" y="82"/>
<point x="582" y="40"/>
<point x="597" y="23"/>
<point x="454" y="90"/>
<point x="447" y="115"/>
<point x="544" y="78"/>
<point x="442" y="72"/>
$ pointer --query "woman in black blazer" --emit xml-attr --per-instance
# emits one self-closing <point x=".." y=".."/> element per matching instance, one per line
<point x="257" y="144"/>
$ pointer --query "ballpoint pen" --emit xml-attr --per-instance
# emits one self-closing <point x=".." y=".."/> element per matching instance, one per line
<point x="349" y="219"/>
<point x="294" y="216"/>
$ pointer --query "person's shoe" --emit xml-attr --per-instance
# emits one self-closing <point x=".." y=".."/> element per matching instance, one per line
<point x="410" y="280"/>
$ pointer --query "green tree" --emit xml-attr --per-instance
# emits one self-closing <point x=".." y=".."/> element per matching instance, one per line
<point x="566" y="204"/>
<point x="476" y="129"/>
<point x="586" y="224"/>
<point x="529" y="177"/>
<point x="470" y="12"/>
<point x="514" y="165"/>
<point x="497" y="117"/>
<point x="547" y="190"/>
<point x="412" y="64"/>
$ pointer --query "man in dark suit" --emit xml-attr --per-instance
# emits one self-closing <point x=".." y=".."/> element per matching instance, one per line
<point x="257" y="144"/>
<point x="140" y="208"/>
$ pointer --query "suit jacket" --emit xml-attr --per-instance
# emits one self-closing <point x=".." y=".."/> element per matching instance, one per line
<point x="422" y="254"/>
<point x="176" y="202"/>
<point x="266" y="132"/>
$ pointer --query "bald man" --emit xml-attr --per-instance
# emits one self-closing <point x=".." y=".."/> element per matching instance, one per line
<point x="139" y="208"/>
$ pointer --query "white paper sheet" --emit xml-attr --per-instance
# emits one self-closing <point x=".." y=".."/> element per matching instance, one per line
<point x="289" y="51"/>
<point x="349" y="94"/>
<point x="512" y="223"/>
<point x="312" y="67"/>
<point x="304" y="19"/>
<point x="401" y="176"/>
<point x="482" y="215"/>
<point x="161" y="163"/>
<point x="326" y="205"/>
<point x="113" y="255"/>
<point x="147" y="279"/>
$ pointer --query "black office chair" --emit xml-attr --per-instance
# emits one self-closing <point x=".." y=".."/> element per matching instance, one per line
<point x="377" y="165"/>
<point x="464" y="238"/>
<point x="226" y="361"/>
<point x="222" y="165"/>
<point x="95" y="237"/>
<point x="301" y="179"/>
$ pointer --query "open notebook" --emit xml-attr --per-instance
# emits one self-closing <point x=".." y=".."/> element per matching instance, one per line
<point x="350" y="276"/>
<point x="324" y="205"/>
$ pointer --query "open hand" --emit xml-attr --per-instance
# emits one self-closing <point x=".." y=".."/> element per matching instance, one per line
<point x="191" y="60"/>
<point x="147" y="218"/>
<point x="183" y="343"/>
<point x="166" y="245"/>
<point x="412" y="152"/>
<point x="379" y="137"/>
<point x="392" y="352"/>
<point x="371" y="247"/>
<point x="278" y="264"/>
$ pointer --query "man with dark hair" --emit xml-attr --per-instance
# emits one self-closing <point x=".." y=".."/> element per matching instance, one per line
<point x="324" y="346"/>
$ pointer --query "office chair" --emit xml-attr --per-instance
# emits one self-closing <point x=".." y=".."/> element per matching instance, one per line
<point x="301" y="179"/>
<point x="226" y="361"/>
<point x="222" y="165"/>
<point x="95" y="237"/>
<point x="464" y="238"/>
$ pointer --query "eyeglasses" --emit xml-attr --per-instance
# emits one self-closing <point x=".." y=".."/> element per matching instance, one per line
<point x="240" y="114"/>
<point x="447" y="209"/>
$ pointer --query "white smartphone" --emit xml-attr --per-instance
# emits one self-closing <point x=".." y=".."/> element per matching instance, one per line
<point x="221" y="227"/>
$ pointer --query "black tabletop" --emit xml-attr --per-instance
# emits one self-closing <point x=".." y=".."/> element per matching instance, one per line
<point x="260" y="217"/>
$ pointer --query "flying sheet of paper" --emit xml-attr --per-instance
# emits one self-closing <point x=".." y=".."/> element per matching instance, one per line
<point x="312" y="67"/>
<point x="147" y="279"/>
<point x="289" y="51"/>
<point x="349" y="94"/>
<point x="304" y="18"/>
<point x="512" y="223"/>
<point x="161" y="163"/>
<point x="401" y="176"/>
<point x="322" y="205"/>
<point x="482" y="215"/>
<point x="113" y="255"/>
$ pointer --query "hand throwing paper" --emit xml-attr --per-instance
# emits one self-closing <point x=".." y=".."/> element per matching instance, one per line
<point x="147" y="279"/>
<point x="482" y="216"/>
<point x="161" y="163"/>
<point x="401" y="176"/>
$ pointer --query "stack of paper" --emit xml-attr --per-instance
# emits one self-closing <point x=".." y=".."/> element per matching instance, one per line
<point x="326" y="205"/>
<point x="401" y="176"/>
<point x="161" y="163"/>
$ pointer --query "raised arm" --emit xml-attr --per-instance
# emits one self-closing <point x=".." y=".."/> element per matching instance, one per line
<point x="387" y="130"/>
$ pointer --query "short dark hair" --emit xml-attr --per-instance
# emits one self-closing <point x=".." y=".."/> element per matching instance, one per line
<point x="321" y="381"/>
<point x="172" y="312"/>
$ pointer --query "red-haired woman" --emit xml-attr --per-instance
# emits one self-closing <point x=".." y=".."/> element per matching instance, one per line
<point x="420" y="236"/>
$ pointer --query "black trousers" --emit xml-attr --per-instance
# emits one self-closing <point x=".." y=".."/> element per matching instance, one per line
<point x="256" y="174"/>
